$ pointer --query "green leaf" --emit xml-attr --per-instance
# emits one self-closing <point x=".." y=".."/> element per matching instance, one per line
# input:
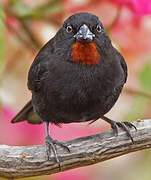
<point x="47" y="8"/>
<point x="24" y="11"/>
<point x="137" y="110"/>
<point x="21" y="9"/>
<point x="145" y="77"/>
<point x="140" y="104"/>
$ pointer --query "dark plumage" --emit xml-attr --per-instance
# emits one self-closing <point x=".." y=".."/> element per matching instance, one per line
<point x="76" y="82"/>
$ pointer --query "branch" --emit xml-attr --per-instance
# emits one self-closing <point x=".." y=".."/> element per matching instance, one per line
<point x="133" y="92"/>
<point x="117" y="16"/>
<point x="27" y="161"/>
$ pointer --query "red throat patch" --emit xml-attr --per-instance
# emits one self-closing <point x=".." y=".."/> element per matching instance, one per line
<point x="85" y="53"/>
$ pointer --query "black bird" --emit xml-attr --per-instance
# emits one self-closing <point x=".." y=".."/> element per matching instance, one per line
<point x="76" y="77"/>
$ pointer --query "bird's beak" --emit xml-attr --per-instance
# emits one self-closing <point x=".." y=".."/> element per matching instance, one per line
<point x="84" y="34"/>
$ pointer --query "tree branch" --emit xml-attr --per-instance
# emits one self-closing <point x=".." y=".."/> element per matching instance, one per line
<point x="133" y="92"/>
<point x="27" y="161"/>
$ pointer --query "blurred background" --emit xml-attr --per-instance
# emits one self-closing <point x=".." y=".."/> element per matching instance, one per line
<point x="26" y="25"/>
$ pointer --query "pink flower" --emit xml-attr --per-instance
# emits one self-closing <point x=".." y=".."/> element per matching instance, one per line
<point x="140" y="7"/>
<point x="12" y="22"/>
<point x="19" y="133"/>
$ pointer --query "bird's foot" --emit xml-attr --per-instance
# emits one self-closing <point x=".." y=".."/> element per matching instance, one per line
<point x="51" y="145"/>
<point x="124" y="125"/>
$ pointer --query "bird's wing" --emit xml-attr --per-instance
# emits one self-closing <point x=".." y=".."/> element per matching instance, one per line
<point x="124" y="66"/>
<point x="38" y="69"/>
<point x="122" y="62"/>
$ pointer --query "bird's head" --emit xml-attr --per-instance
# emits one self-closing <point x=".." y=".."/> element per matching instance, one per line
<point x="85" y="33"/>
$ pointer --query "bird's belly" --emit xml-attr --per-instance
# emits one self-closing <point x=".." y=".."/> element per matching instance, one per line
<point x="77" y="93"/>
<point x="75" y="103"/>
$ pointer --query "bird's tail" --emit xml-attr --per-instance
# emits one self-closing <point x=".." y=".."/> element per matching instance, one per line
<point x="27" y="114"/>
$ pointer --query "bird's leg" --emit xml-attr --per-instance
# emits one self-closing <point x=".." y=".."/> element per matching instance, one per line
<point x="51" y="145"/>
<point x="124" y="125"/>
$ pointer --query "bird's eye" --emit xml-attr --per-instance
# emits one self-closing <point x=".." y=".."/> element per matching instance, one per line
<point x="69" y="28"/>
<point x="98" y="28"/>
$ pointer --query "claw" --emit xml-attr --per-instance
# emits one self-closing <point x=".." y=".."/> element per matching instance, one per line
<point x="130" y="125"/>
<point x="123" y="125"/>
<point x="115" y="128"/>
<point x="50" y="145"/>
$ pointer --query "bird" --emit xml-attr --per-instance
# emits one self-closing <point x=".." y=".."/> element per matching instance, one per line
<point x="77" y="76"/>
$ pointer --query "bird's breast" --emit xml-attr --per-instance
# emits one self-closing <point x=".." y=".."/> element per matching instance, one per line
<point x="85" y="53"/>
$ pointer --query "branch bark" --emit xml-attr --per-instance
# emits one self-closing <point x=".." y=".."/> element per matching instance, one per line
<point x="27" y="161"/>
